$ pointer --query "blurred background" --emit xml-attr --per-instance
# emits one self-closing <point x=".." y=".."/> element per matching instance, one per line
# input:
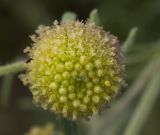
<point x="20" y="18"/>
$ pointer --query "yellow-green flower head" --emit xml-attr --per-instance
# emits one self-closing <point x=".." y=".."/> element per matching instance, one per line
<point x="75" y="68"/>
<point x="46" y="130"/>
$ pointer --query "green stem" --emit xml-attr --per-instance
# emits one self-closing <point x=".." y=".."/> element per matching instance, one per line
<point x="12" y="68"/>
<point x="5" y="90"/>
<point x="144" y="107"/>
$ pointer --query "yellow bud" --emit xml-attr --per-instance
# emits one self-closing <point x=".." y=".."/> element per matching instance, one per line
<point x="97" y="63"/>
<point x="76" y="103"/>
<point x="62" y="91"/>
<point x="95" y="99"/>
<point x="57" y="78"/>
<point x="53" y="86"/>
<point x="89" y="66"/>
<point x="69" y="65"/>
<point x="63" y="99"/>
<point x="100" y="72"/>
<point x="97" y="89"/>
<point x="107" y="83"/>
<point x="83" y="60"/>
<point x="66" y="75"/>
<point x="72" y="96"/>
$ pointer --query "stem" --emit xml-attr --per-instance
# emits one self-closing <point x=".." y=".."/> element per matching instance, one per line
<point x="5" y="90"/>
<point x="12" y="68"/>
<point x="145" y="106"/>
<point x="130" y="39"/>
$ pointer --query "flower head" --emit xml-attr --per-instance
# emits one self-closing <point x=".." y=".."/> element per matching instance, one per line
<point x="75" y="68"/>
<point x="46" y="130"/>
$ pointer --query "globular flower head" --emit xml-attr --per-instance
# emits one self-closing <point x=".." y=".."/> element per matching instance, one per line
<point x="75" y="68"/>
<point x="46" y="130"/>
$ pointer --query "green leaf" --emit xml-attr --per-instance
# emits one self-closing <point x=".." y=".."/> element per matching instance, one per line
<point x="68" y="16"/>
<point x="145" y="106"/>
<point x="130" y="40"/>
<point x="94" y="16"/>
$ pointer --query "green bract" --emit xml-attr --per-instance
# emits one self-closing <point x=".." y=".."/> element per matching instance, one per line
<point x="75" y="68"/>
